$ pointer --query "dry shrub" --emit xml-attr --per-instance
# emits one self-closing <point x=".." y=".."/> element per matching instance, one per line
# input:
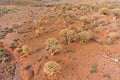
<point x="81" y="29"/>
<point x="68" y="36"/>
<point x="26" y="49"/>
<point x="52" y="68"/>
<point x="84" y="20"/>
<point x="39" y="31"/>
<point x="85" y="37"/>
<point x="104" y="11"/>
<point x="52" y="46"/>
<point x="116" y="12"/>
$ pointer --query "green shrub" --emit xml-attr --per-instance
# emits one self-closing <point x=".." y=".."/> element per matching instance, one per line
<point x="1" y="37"/>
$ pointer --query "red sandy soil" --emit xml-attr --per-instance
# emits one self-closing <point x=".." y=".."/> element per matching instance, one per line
<point x="76" y="60"/>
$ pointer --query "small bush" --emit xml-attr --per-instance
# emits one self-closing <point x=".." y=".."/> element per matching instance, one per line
<point x="94" y="69"/>
<point x="52" y="45"/>
<point x="84" y="20"/>
<point x="26" y="49"/>
<point x="36" y="23"/>
<point x="109" y="41"/>
<point x="80" y="29"/>
<point x="52" y="68"/>
<point x="104" y="11"/>
<point x="38" y="32"/>
<point x="84" y="37"/>
<point x="93" y="24"/>
<point x="116" y="12"/>
<point x="68" y="36"/>
<point x="1" y="37"/>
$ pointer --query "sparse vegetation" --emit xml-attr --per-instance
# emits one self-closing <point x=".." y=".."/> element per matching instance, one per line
<point x="84" y="37"/>
<point x="104" y="11"/>
<point x="52" y="46"/>
<point x="84" y="20"/>
<point x="1" y="49"/>
<point x="116" y="12"/>
<point x="4" y="11"/>
<point x="59" y="28"/>
<point x="26" y="49"/>
<point x="109" y="41"/>
<point x="81" y="29"/>
<point x="94" y="69"/>
<point x="1" y="37"/>
<point x="68" y="36"/>
<point x="93" y="25"/>
<point x="52" y="68"/>
<point x="38" y="32"/>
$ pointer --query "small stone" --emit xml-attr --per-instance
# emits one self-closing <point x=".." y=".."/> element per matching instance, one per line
<point x="8" y="30"/>
<point x="6" y="59"/>
<point x="5" y="54"/>
<point x="19" y="50"/>
<point x="27" y="67"/>
<point x="3" y="33"/>
<point x="68" y="51"/>
<point x="39" y="49"/>
<point x="39" y="59"/>
<point x="16" y="39"/>
<point x="12" y="46"/>
<point x="46" y="57"/>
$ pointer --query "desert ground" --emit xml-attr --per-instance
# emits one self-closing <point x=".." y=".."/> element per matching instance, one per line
<point x="79" y="39"/>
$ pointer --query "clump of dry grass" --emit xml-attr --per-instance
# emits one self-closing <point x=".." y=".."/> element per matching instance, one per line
<point x="84" y="37"/>
<point x="84" y="20"/>
<point x="39" y="31"/>
<point x="81" y="29"/>
<point x="52" y="46"/>
<point x="37" y="27"/>
<point x="116" y="12"/>
<point x="68" y="36"/>
<point x="26" y="49"/>
<point x="37" y="23"/>
<point x="52" y="68"/>
<point x="104" y="11"/>
<point x="109" y="41"/>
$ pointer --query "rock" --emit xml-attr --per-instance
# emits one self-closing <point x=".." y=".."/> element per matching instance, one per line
<point x="12" y="46"/>
<point x="19" y="50"/>
<point x="3" y="33"/>
<point x="27" y="67"/>
<point x="6" y="59"/>
<point x="16" y="39"/>
<point x="28" y="75"/>
<point x="8" y="30"/>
